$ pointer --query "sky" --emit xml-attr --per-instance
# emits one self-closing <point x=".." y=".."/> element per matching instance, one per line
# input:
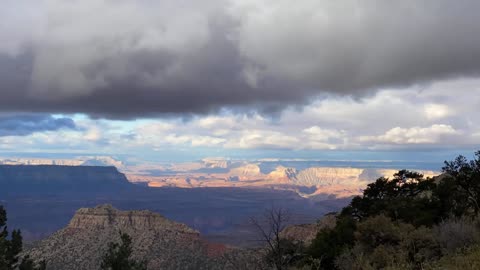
<point x="184" y="79"/>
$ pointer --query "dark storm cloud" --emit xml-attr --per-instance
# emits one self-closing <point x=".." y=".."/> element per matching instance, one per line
<point x="23" y="125"/>
<point x="198" y="59"/>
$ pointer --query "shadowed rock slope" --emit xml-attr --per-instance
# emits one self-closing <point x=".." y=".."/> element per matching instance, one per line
<point x="305" y="233"/>
<point x="42" y="179"/>
<point x="162" y="243"/>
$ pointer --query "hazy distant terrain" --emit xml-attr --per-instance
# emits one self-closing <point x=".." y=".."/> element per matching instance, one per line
<point x="312" y="179"/>
<point x="215" y="196"/>
<point x="309" y="178"/>
<point x="42" y="199"/>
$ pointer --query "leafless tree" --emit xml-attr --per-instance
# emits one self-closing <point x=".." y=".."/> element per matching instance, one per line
<point x="269" y="228"/>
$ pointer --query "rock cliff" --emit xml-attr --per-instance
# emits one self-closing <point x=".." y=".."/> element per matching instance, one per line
<point x="162" y="243"/>
<point x="324" y="176"/>
<point x="246" y="171"/>
<point x="105" y="216"/>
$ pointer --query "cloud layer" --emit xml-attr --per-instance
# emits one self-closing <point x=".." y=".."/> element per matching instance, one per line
<point x="413" y="120"/>
<point x="23" y="125"/>
<point x="131" y="59"/>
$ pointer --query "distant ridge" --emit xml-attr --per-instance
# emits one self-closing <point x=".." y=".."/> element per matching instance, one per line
<point x="52" y="178"/>
<point x="77" y="161"/>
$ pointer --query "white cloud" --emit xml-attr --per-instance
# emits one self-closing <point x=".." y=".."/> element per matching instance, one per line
<point x="436" y="111"/>
<point x="263" y="139"/>
<point x="428" y="116"/>
<point x="207" y="141"/>
<point x="93" y="134"/>
<point x="319" y="134"/>
<point x="414" y="135"/>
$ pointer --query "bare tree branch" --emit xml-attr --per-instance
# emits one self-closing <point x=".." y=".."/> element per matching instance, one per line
<point x="269" y="229"/>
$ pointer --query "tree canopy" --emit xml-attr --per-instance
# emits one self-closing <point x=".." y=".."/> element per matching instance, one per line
<point x="407" y="222"/>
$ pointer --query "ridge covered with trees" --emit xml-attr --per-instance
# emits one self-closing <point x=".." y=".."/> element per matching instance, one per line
<point x="408" y="222"/>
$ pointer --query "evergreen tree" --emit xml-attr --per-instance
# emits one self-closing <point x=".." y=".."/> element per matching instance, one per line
<point x="11" y="247"/>
<point x="463" y="185"/>
<point x="118" y="256"/>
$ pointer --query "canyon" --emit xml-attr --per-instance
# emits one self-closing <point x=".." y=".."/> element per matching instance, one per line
<point x="312" y="179"/>
<point x="214" y="196"/>
<point x="40" y="199"/>
<point x="311" y="182"/>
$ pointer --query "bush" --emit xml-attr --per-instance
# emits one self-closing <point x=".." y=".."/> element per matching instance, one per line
<point x="467" y="259"/>
<point x="329" y="243"/>
<point x="458" y="233"/>
<point x="381" y="243"/>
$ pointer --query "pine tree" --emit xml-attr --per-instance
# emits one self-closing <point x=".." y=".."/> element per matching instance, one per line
<point x="118" y="256"/>
<point x="11" y="247"/>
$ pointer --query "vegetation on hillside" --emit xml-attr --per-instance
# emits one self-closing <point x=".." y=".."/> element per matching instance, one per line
<point x="11" y="247"/>
<point x="408" y="222"/>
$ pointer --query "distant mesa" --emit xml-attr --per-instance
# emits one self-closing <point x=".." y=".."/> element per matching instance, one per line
<point x="79" y="161"/>
<point x="52" y="178"/>
<point x="246" y="171"/>
<point x="216" y="163"/>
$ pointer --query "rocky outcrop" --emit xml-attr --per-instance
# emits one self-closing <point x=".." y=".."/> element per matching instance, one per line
<point x="216" y="163"/>
<point x="161" y="243"/>
<point x="246" y="171"/>
<point x="331" y="176"/>
<point x="105" y="216"/>
<point x="283" y="173"/>
<point x="325" y="176"/>
<point x="305" y="233"/>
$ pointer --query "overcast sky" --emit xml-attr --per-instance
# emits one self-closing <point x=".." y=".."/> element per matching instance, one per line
<point x="348" y="79"/>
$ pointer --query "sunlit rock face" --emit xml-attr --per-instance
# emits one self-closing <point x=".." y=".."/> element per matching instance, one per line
<point x="312" y="182"/>
<point x="162" y="243"/>
<point x="326" y="176"/>
<point x="247" y="172"/>
<point x="106" y="216"/>
<point x="216" y="163"/>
